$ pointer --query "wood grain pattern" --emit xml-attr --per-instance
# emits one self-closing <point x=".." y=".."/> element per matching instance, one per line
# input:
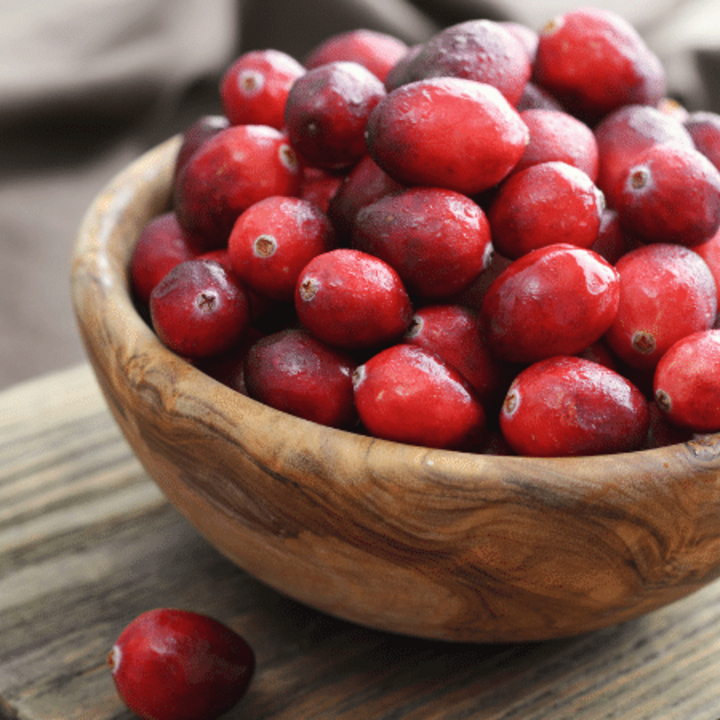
<point x="87" y="542"/>
<point x="424" y="542"/>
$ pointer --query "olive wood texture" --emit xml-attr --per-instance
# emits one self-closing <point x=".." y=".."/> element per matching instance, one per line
<point x="423" y="542"/>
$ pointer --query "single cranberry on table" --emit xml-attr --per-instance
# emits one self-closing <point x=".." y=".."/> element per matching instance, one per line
<point x="377" y="51"/>
<point x="327" y="111"/>
<point x="171" y="664"/>
<point x="481" y="50"/>
<point x="352" y="300"/>
<point x="687" y="382"/>
<point x="293" y="371"/>
<point x="254" y="88"/>
<point x="545" y="204"/>
<point x="666" y="292"/>
<point x="437" y="240"/>
<point x="231" y="171"/>
<point x="274" y="239"/>
<point x="570" y="406"/>
<point x="408" y="394"/>
<point x="200" y="309"/>
<point x="446" y="132"/>
<point x="670" y="194"/>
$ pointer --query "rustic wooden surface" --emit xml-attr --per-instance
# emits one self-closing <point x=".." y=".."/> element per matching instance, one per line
<point x="87" y="542"/>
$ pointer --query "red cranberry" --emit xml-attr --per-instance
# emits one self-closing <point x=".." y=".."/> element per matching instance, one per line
<point x="201" y="130"/>
<point x="398" y="74"/>
<point x="407" y="394"/>
<point x="178" y="665"/>
<point x="670" y="195"/>
<point x="295" y="372"/>
<point x="612" y="241"/>
<point x="530" y="314"/>
<point x="594" y="62"/>
<point x="273" y="240"/>
<point x="437" y="240"/>
<point x="199" y="309"/>
<point x="327" y="111"/>
<point x="545" y="204"/>
<point x="319" y="186"/>
<point x="480" y="50"/>
<point x="377" y="51"/>
<point x="350" y="299"/>
<point x="569" y="406"/>
<point x="704" y="129"/>
<point x="536" y="98"/>
<point x="526" y="35"/>
<point x="666" y="292"/>
<point x="254" y="88"/>
<point x="709" y="251"/>
<point x="230" y="172"/>
<point x="161" y="246"/>
<point x="687" y="382"/>
<point x="482" y="135"/>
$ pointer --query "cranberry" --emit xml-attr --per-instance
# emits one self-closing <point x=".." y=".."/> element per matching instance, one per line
<point x="687" y="382"/>
<point x="455" y="334"/>
<point x="612" y="241"/>
<point x="545" y="204"/>
<point x="230" y="172"/>
<point x="666" y="292"/>
<point x="569" y="406"/>
<point x="594" y="62"/>
<point x="526" y="35"/>
<point x="295" y="372"/>
<point x="670" y="194"/>
<point x="161" y="246"/>
<point x="327" y="111"/>
<point x="704" y="129"/>
<point x="482" y="135"/>
<point x="437" y="240"/>
<point x="319" y="186"/>
<point x="556" y="300"/>
<point x="480" y="50"/>
<point x="555" y="135"/>
<point x="201" y="130"/>
<point x="273" y="240"/>
<point x="661" y="432"/>
<point x="254" y="88"/>
<point x="350" y="299"/>
<point x="199" y="309"/>
<point x="377" y="51"/>
<point x="398" y="74"/>
<point x="409" y="395"/>
<point x="536" y="98"/>
<point x="172" y="664"/>
<point x="709" y="251"/>
<point x="627" y="132"/>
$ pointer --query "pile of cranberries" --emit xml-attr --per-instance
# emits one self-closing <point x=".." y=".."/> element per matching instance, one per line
<point x="499" y="240"/>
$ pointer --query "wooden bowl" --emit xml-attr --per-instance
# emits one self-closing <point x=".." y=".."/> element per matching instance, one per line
<point x="406" y="539"/>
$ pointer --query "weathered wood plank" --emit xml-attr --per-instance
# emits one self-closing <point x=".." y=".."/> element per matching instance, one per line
<point x="87" y="542"/>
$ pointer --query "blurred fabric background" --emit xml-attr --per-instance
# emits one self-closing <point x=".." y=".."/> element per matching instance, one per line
<point x="87" y="85"/>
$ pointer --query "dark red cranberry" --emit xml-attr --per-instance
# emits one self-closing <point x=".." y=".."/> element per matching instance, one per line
<point x="319" y="186"/>
<point x="201" y="130"/>
<point x="704" y="129"/>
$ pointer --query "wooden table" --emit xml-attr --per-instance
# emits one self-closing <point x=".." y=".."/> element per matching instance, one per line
<point x="87" y="542"/>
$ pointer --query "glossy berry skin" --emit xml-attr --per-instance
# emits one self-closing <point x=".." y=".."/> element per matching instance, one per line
<point x="569" y="406"/>
<point x="556" y="300"/>
<point x="666" y="292"/>
<point x="231" y="171"/>
<point x="704" y="129"/>
<point x="377" y="51"/>
<point x="627" y="132"/>
<point x="612" y="241"/>
<point x="273" y="240"/>
<point x="200" y="309"/>
<point x="455" y="334"/>
<point x="687" y="382"/>
<point x="170" y="664"/>
<point x="545" y="204"/>
<point x="327" y="111"/>
<point x="254" y="88"/>
<point x="437" y="240"/>
<point x="409" y="395"/>
<point x="296" y="373"/>
<point x="555" y="135"/>
<point x="594" y="62"/>
<point x="482" y="135"/>
<point x="352" y="300"/>
<point x="480" y="50"/>
<point x="201" y="130"/>
<point x="319" y="186"/>
<point x="670" y="195"/>
<point x="161" y="246"/>
<point x="709" y="251"/>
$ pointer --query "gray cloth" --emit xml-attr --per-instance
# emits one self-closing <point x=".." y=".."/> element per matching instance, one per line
<point x="86" y="85"/>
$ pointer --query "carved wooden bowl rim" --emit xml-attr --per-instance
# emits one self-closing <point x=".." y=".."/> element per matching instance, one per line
<point x="658" y="510"/>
